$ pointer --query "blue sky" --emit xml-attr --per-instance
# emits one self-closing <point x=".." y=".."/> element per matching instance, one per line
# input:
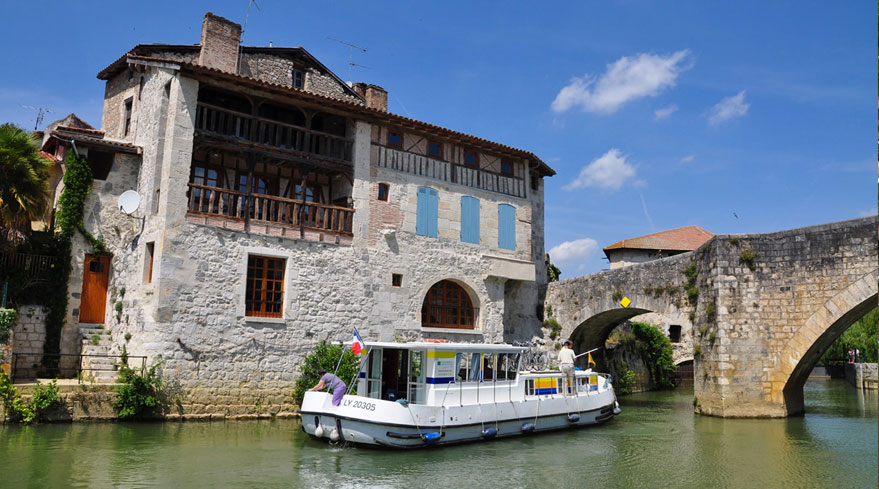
<point x="655" y="115"/>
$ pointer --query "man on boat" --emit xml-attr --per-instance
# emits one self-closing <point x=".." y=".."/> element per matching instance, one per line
<point x="566" y="364"/>
<point x="335" y="384"/>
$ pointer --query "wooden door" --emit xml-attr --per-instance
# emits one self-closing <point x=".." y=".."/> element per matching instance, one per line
<point x="95" y="276"/>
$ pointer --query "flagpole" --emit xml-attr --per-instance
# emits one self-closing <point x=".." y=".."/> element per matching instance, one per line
<point x="339" y="363"/>
<point x="586" y="352"/>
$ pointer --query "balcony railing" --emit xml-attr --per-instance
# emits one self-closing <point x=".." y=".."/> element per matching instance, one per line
<point x="214" y="201"/>
<point x="235" y="125"/>
<point x="421" y="165"/>
<point x="36" y="267"/>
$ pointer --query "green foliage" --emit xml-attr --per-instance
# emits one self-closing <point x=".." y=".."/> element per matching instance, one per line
<point x="326" y="356"/>
<point x="734" y="241"/>
<point x="712" y="338"/>
<point x="553" y="273"/>
<point x="697" y="350"/>
<point x="617" y="295"/>
<point x="43" y="398"/>
<point x="7" y="319"/>
<point x="692" y="274"/>
<point x="549" y="310"/>
<point x="747" y="257"/>
<point x="626" y="380"/>
<point x="656" y="349"/>
<point x="23" y="174"/>
<point x="862" y="335"/>
<point x="711" y="312"/>
<point x="554" y="328"/>
<point x="139" y="393"/>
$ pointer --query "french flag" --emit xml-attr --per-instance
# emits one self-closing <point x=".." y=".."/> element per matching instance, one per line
<point x="357" y="346"/>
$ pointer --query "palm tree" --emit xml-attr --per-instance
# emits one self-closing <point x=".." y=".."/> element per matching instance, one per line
<point x="23" y="173"/>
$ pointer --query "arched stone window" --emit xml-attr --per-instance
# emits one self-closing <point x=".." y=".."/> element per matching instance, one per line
<point x="447" y="305"/>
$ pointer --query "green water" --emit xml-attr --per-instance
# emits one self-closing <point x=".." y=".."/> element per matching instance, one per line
<point x="656" y="442"/>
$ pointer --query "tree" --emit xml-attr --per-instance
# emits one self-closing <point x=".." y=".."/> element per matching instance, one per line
<point x="552" y="273"/>
<point x="23" y="173"/>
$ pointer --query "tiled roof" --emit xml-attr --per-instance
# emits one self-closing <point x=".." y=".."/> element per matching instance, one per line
<point x="680" y="239"/>
<point x="48" y="156"/>
<point x="340" y="104"/>
<point x="94" y="137"/>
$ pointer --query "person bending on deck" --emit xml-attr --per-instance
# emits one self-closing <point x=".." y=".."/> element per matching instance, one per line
<point x="566" y="364"/>
<point x="335" y="384"/>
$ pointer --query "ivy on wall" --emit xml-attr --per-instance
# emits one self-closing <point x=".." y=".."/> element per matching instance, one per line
<point x="68" y="220"/>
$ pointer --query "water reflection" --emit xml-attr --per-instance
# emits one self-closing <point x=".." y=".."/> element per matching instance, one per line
<point x="657" y="442"/>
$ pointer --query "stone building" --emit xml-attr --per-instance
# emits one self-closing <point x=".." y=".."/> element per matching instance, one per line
<point x="656" y="246"/>
<point x="279" y="207"/>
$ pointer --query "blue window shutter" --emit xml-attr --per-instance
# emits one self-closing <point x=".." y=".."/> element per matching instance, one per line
<point x="427" y="212"/>
<point x="433" y="216"/>
<point x="506" y="217"/>
<point x="470" y="220"/>
<point x="421" y="213"/>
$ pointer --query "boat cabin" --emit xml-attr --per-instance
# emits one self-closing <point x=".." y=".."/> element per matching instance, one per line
<point x="434" y="373"/>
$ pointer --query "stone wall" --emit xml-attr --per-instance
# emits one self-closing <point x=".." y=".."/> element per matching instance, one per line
<point x="862" y="375"/>
<point x="28" y="337"/>
<point x="277" y="69"/>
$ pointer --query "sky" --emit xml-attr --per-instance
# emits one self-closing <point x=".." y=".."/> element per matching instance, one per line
<point x="738" y="117"/>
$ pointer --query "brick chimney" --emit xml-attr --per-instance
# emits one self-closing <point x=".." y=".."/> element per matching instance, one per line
<point x="377" y="98"/>
<point x="219" y="43"/>
<point x="360" y="88"/>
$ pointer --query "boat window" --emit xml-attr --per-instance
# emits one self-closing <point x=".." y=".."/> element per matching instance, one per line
<point x="507" y="366"/>
<point x="475" y="367"/>
<point x="488" y="367"/>
<point x="394" y="369"/>
<point x="416" y="377"/>
<point x="462" y="360"/>
<point x="374" y="374"/>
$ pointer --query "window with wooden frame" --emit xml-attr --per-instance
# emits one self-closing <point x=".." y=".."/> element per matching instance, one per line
<point x="383" y="190"/>
<point x="447" y="305"/>
<point x="297" y="78"/>
<point x="471" y="159"/>
<point x="395" y="139"/>
<point x="435" y="149"/>
<point x="148" y="262"/>
<point x="200" y="198"/>
<point x="506" y="167"/>
<point x="264" y="293"/>
<point x="126" y="115"/>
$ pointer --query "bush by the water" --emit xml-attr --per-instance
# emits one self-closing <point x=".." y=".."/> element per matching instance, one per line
<point x="138" y="395"/>
<point x="43" y="398"/>
<point x="326" y="356"/>
<point x="656" y="350"/>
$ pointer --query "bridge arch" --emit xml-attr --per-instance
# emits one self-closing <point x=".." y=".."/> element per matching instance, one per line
<point x="794" y="363"/>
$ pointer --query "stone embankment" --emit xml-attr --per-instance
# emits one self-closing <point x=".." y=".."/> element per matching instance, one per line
<point x="862" y="375"/>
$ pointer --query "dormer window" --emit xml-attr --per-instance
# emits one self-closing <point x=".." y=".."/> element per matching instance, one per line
<point x="395" y="139"/>
<point x="435" y="149"/>
<point x="471" y="158"/>
<point x="298" y="78"/>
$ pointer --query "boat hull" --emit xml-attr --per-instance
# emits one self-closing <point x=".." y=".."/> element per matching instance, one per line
<point x="371" y="422"/>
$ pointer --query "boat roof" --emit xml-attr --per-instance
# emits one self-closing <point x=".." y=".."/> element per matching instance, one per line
<point x="462" y="347"/>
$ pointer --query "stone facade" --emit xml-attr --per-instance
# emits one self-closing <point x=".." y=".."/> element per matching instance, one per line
<point x="178" y="279"/>
<point x="27" y="339"/>
<point x="768" y="306"/>
<point x="862" y="375"/>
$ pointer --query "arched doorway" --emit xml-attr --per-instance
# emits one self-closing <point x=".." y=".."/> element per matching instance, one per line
<point x="448" y="305"/>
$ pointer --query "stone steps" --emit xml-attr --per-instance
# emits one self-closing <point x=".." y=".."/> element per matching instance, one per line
<point x="96" y="340"/>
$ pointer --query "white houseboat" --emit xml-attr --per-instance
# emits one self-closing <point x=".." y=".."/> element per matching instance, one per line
<point x="426" y="394"/>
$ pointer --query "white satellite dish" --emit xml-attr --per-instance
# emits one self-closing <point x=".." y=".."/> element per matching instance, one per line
<point x="128" y="202"/>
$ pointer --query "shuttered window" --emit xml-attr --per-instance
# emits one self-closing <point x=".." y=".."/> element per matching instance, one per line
<point x="470" y="220"/>
<point x="506" y="218"/>
<point x="427" y="213"/>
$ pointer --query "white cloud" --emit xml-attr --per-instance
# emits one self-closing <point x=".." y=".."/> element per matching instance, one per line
<point x="665" y="112"/>
<point x="610" y="170"/>
<point x="688" y="158"/>
<point x="728" y="108"/>
<point x="575" y="254"/>
<point x="871" y="212"/>
<point x="626" y="79"/>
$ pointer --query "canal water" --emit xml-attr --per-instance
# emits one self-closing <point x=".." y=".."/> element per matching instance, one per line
<point x="656" y="442"/>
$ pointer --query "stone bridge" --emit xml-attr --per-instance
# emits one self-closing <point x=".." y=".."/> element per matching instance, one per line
<point x="763" y="308"/>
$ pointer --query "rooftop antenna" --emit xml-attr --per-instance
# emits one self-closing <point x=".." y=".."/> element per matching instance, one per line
<point x="41" y="111"/>
<point x="351" y="48"/>
<point x="250" y="3"/>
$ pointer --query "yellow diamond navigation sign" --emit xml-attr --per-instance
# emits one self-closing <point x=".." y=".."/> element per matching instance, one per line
<point x="625" y="302"/>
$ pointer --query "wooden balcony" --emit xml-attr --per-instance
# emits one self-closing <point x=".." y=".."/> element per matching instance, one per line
<point x="424" y="166"/>
<point x="268" y="209"/>
<point x="295" y="140"/>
